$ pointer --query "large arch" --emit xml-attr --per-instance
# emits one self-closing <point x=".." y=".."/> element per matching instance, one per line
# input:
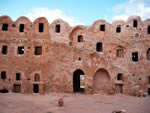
<point x="77" y="81"/>
<point x="101" y="81"/>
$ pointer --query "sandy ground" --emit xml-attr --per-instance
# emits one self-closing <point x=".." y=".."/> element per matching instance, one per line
<point x="73" y="103"/>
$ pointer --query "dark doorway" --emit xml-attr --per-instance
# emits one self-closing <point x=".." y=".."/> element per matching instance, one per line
<point x="35" y="88"/>
<point x="17" y="88"/>
<point x="4" y="91"/>
<point x="76" y="81"/>
<point x="118" y="88"/>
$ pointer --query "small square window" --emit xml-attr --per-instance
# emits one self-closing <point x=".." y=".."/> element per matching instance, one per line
<point x="119" y="77"/>
<point x="80" y="38"/>
<point x="21" y="50"/>
<point x="102" y="27"/>
<point x="3" y="75"/>
<point x="5" y="27"/>
<point x="38" y="50"/>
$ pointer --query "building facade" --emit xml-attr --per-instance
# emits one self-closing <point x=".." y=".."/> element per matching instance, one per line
<point x="38" y="57"/>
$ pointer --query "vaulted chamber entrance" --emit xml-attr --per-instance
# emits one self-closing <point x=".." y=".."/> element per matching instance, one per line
<point x="101" y="81"/>
<point x="78" y="81"/>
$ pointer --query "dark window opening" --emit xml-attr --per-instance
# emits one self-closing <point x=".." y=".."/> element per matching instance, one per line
<point x="37" y="78"/>
<point x="4" y="91"/>
<point x="18" y="76"/>
<point x="118" y="29"/>
<point x="3" y="75"/>
<point x="119" y="76"/>
<point x="21" y="28"/>
<point x="4" y="50"/>
<point x="38" y="50"/>
<point x="148" y="30"/>
<point x="20" y="50"/>
<point x="135" y="56"/>
<point x="5" y="27"/>
<point x="120" y="52"/>
<point x="57" y="28"/>
<point x="135" y="23"/>
<point x="35" y="88"/>
<point x="148" y="54"/>
<point x="17" y="88"/>
<point x="102" y="27"/>
<point x="99" y="47"/>
<point x="41" y="27"/>
<point x="80" y="38"/>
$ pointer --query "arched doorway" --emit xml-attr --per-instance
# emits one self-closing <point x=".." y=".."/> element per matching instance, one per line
<point x="78" y="79"/>
<point x="101" y="81"/>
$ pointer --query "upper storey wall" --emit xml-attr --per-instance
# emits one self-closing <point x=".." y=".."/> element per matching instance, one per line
<point x="61" y="31"/>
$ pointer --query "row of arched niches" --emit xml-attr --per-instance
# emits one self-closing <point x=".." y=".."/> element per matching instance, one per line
<point x="60" y="30"/>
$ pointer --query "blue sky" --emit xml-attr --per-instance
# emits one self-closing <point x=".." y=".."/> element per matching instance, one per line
<point x="76" y="11"/>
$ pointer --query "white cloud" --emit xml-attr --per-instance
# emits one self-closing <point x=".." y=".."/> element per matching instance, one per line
<point x="51" y="15"/>
<point x="132" y="7"/>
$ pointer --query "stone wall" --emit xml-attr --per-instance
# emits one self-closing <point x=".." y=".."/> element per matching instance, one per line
<point x="62" y="50"/>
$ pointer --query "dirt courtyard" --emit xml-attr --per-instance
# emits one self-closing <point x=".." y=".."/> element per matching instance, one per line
<point x="73" y="103"/>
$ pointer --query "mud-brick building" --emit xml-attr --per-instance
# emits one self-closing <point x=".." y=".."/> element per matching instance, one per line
<point x="39" y="57"/>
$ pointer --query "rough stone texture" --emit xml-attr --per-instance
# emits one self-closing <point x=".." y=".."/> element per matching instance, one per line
<point x="62" y="55"/>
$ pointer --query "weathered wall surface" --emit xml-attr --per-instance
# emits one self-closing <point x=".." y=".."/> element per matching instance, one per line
<point x="66" y="49"/>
